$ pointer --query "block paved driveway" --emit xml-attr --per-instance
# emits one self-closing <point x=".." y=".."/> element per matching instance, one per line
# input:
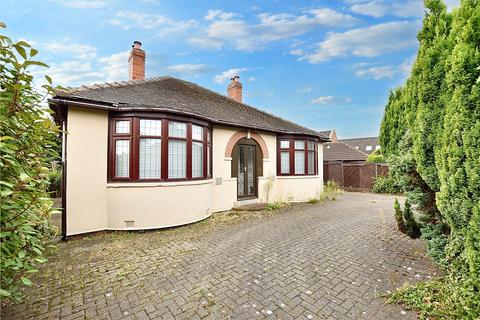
<point x="310" y="261"/>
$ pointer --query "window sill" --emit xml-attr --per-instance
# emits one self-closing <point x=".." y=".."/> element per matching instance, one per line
<point x="157" y="184"/>
<point x="298" y="177"/>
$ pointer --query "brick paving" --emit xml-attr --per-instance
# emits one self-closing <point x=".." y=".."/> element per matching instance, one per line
<point x="311" y="261"/>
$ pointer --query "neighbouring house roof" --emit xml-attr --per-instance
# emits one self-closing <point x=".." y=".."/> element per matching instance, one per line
<point x="325" y="133"/>
<point x="167" y="94"/>
<point x="362" y="143"/>
<point x="339" y="151"/>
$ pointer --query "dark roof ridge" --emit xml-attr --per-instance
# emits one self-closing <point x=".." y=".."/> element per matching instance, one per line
<point x="112" y="84"/>
<point x="375" y="137"/>
<point x="351" y="147"/>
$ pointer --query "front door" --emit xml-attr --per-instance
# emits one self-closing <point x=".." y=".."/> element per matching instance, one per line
<point x="247" y="175"/>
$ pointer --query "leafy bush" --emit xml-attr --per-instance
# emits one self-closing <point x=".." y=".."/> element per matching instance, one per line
<point x="386" y="184"/>
<point x="27" y="145"/>
<point x="376" y="157"/>
<point x="399" y="216"/>
<point x="411" y="226"/>
<point x="55" y="179"/>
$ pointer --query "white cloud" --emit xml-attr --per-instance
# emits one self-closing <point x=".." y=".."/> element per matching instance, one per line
<point x="189" y="69"/>
<point x="227" y="74"/>
<point x="114" y="67"/>
<point x="366" y="42"/>
<point x="380" y="8"/>
<point x="162" y="24"/>
<point x="219" y="14"/>
<point x="227" y="28"/>
<point x="375" y="9"/>
<point x="377" y="73"/>
<point x="79" y="51"/>
<point x="81" y="72"/>
<point x="331" y="100"/>
<point x="85" y="4"/>
<point x="251" y="79"/>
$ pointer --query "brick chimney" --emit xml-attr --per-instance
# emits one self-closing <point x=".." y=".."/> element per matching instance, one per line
<point x="136" y="62"/>
<point x="234" y="90"/>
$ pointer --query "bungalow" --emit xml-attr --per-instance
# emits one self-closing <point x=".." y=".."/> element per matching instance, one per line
<point x="162" y="152"/>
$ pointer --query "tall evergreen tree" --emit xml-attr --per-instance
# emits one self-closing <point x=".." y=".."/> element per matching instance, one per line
<point x="459" y="155"/>
<point x="430" y="93"/>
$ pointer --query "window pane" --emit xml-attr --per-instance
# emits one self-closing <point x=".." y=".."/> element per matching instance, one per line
<point x="122" y="126"/>
<point x="284" y="144"/>
<point x="299" y="162"/>
<point x="311" y="145"/>
<point x="177" y="129"/>
<point x="177" y="159"/>
<point x="197" y="159"/>
<point x="208" y="161"/>
<point x="300" y="144"/>
<point x="122" y="158"/>
<point x="150" y="158"/>
<point x="311" y="162"/>
<point x="197" y="132"/>
<point x="150" y="127"/>
<point x="285" y="162"/>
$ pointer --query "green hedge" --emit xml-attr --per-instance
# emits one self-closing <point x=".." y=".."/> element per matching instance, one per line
<point x="430" y="135"/>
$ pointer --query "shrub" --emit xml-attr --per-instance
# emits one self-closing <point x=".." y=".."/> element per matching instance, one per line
<point x="55" y="179"/>
<point x="399" y="216"/>
<point x="276" y="206"/>
<point x="376" y="157"/>
<point x="436" y="240"/>
<point x="386" y="184"/>
<point x="411" y="226"/>
<point x="27" y="146"/>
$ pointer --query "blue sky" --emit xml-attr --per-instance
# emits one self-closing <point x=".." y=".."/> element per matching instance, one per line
<point x="324" y="64"/>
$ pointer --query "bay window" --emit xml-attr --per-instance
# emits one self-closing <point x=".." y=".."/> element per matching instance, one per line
<point x="297" y="156"/>
<point x="154" y="148"/>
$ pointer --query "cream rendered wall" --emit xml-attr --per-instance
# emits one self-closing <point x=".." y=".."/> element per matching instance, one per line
<point x="93" y="204"/>
<point x="270" y="187"/>
<point x="224" y="186"/>
<point x="158" y="205"/>
<point x="87" y="141"/>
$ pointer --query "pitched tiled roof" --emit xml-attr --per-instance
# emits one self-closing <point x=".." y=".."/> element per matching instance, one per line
<point x="325" y="133"/>
<point x="362" y="143"/>
<point x="169" y="94"/>
<point x="340" y="151"/>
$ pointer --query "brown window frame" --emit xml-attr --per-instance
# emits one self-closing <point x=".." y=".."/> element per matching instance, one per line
<point x="291" y="150"/>
<point x="134" y="138"/>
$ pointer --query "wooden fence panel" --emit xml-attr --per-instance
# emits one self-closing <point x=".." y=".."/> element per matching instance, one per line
<point x="354" y="176"/>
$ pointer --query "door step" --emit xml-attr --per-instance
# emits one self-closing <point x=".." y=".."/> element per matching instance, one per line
<point x="246" y="202"/>
<point x="250" y="205"/>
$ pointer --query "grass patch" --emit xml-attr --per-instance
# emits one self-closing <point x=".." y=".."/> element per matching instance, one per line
<point x="276" y="206"/>
<point x="448" y="297"/>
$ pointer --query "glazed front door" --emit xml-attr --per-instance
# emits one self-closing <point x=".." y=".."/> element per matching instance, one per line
<point x="247" y="176"/>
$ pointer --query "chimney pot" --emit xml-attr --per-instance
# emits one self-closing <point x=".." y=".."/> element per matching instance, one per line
<point x="136" y="62"/>
<point x="234" y="90"/>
